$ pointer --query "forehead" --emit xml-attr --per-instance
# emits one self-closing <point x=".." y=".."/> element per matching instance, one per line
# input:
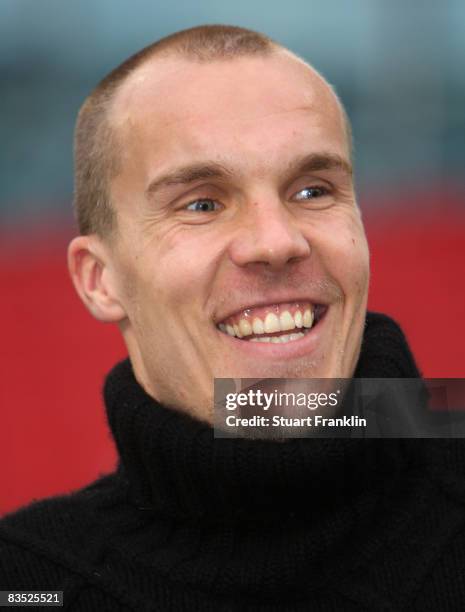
<point x="174" y="107"/>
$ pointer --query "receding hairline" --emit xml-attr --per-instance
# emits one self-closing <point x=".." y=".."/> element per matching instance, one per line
<point x="173" y="53"/>
<point x="275" y="49"/>
<point x="184" y="45"/>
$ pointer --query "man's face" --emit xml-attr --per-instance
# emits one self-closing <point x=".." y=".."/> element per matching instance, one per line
<point x="236" y="214"/>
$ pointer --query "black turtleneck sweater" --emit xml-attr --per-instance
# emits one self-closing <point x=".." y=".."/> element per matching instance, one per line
<point x="189" y="522"/>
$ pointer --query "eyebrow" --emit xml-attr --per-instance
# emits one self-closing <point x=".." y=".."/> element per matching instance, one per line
<point x="189" y="174"/>
<point x="207" y="170"/>
<point x="320" y="161"/>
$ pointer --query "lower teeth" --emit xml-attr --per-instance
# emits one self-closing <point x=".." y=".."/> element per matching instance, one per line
<point x="279" y="339"/>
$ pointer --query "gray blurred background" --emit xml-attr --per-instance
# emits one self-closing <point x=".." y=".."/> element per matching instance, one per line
<point x="398" y="66"/>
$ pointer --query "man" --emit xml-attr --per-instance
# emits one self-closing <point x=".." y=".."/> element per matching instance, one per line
<point x="219" y="229"/>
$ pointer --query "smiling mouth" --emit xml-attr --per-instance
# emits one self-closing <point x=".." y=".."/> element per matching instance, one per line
<point x="277" y="323"/>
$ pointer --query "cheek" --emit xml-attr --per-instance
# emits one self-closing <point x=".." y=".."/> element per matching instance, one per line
<point x="344" y="252"/>
<point x="180" y="267"/>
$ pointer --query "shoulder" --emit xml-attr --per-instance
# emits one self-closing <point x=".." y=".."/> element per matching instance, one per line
<point x="48" y="540"/>
<point x="444" y="585"/>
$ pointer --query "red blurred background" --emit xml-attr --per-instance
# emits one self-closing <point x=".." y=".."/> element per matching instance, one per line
<point x="54" y="356"/>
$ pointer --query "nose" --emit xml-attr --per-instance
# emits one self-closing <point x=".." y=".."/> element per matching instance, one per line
<point x="269" y="235"/>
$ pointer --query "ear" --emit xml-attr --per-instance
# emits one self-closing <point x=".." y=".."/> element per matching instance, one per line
<point x="93" y="279"/>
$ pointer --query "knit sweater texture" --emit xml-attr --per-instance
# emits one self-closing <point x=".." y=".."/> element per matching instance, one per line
<point x="192" y="523"/>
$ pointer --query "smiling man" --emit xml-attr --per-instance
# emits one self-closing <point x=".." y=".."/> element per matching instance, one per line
<point x="220" y="230"/>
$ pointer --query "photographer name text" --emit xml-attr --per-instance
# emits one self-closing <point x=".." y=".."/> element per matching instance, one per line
<point x="281" y="421"/>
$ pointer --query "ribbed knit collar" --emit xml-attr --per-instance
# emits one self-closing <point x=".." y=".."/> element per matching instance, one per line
<point x="175" y="466"/>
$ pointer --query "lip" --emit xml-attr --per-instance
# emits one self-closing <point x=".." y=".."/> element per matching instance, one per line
<point x="289" y="350"/>
<point x="270" y="301"/>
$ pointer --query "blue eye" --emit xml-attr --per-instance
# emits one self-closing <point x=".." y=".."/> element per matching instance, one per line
<point x="203" y="205"/>
<point x="310" y="193"/>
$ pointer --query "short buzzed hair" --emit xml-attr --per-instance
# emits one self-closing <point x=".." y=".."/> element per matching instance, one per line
<point x="95" y="142"/>
<point x="96" y="146"/>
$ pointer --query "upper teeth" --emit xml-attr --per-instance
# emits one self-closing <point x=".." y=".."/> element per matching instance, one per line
<point x="272" y="322"/>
